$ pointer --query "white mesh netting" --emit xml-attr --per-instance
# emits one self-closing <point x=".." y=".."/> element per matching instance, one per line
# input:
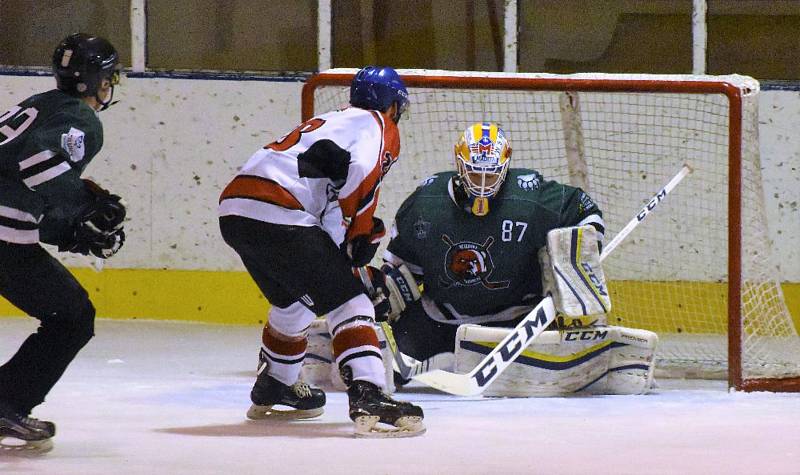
<point x="670" y="276"/>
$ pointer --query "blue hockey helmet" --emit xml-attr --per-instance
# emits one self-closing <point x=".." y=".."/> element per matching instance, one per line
<point x="377" y="88"/>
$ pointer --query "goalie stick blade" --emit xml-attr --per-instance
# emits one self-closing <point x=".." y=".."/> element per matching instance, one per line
<point x="451" y="383"/>
<point x="477" y="380"/>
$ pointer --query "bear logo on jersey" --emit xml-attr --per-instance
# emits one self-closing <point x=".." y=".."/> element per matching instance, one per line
<point x="468" y="263"/>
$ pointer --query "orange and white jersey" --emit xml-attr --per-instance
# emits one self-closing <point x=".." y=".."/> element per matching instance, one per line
<point x="337" y="158"/>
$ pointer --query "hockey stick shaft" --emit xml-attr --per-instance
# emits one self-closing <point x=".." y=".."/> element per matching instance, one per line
<point x="405" y="371"/>
<point x="408" y="367"/>
<point x="650" y="206"/>
<point x="488" y="370"/>
<point x="98" y="264"/>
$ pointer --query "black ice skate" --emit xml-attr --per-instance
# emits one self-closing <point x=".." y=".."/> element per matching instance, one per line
<point x="306" y="402"/>
<point x="369" y="405"/>
<point x="24" y="434"/>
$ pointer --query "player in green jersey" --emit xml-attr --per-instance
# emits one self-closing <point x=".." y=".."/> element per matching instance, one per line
<point x="46" y="141"/>
<point x="470" y="238"/>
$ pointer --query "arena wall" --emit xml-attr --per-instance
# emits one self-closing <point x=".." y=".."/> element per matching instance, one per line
<point x="173" y="143"/>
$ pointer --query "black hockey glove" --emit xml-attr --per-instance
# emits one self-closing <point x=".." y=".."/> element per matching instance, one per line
<point x="391" y="290"/>
<point x="107" y="212"/>
<point x="86" y="239"/>
<point x="374" y="281"/>
<point x="99" y="231"/>
<point x="362" y="249"/>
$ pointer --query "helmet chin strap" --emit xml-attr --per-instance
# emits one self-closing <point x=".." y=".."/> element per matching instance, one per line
<point x="110" y="102"/>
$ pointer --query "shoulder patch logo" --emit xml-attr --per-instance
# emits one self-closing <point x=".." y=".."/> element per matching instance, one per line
<point x="529" y="182"/>
<point x="421" y="228"/>
<point x="428" y="181"/>
<point x="585" y="203"/>
<point x="73" y="143"/>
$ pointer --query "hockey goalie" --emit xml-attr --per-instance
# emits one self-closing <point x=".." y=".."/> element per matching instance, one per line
<point x="472" y="252"/>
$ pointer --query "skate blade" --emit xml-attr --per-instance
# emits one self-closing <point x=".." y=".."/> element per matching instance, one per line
<point x="409" y="426"/>
<point x="13" y="446"/>
<point x="258" y="413"/>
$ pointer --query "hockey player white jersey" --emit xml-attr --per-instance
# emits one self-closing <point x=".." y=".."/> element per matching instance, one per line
<point x="338" y="158"/>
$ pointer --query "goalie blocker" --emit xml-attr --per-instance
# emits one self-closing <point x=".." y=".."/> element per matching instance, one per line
<point x="572" y="273"/>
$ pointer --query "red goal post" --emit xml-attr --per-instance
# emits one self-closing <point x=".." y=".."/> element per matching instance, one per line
<point x="617" y="136"/>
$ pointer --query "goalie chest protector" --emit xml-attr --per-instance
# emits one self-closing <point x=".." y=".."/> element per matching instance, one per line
<point x="495" y="256"/>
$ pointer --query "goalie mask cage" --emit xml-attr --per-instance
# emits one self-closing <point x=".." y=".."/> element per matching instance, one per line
<point x="700" y="272"/>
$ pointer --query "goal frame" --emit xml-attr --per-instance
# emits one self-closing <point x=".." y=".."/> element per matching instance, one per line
<point x="620" y="84"/>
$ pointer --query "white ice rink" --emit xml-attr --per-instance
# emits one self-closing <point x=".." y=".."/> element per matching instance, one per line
<point x="169" y="398"/>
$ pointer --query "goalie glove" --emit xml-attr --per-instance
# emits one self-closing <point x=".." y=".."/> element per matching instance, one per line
<point x="361" y="249"/>
<point x="390" y="288"/>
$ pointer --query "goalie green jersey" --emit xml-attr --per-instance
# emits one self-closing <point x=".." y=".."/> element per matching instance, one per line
<point x="46" y="141"/>
<point x="480" y="269"/>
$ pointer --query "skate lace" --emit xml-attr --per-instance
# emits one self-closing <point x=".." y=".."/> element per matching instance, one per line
<point x="302" y="389"/>
<point x="33" y="422"/>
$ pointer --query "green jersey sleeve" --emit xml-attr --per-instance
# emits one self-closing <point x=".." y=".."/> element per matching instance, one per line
<point x="579" y="208"/>
<point x="69" y="142"/>
<point x="401" y="246"/>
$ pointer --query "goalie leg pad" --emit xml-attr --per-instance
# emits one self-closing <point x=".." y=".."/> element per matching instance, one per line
<point x="572" y="273"/>
<point x="597" y="360"/>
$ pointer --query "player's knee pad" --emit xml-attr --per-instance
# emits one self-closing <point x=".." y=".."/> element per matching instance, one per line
<point x="596" y="360"/>
<point x="291" y="321"/>
<point x="355" y="344"/>
<point x="320" y="368"/>
<point x="74" y="323"/>
<point x="356" y="311"/>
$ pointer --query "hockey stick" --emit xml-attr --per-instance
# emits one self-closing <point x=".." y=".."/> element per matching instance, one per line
<point x="406" y="372"/>
<point x="408" y="367"/>
<point x="98" y="264"/>
<point x="477" y="380"/>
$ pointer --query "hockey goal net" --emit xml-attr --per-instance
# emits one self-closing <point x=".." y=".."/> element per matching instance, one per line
<point x="700" y="272"/>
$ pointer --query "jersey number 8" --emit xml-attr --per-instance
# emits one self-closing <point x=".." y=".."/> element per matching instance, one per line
<point x="508" y="230"/>
<point x="8" y="131"/>
<point x="289" y="140"/>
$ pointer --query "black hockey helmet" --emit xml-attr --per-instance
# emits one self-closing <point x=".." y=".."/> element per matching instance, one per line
<point x="81" y="62"/>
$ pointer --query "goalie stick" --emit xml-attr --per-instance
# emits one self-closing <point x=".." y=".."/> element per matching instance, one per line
<point x="406" y="369"/>
<point x="477" y="380"/>
<point x="406" y="366"/>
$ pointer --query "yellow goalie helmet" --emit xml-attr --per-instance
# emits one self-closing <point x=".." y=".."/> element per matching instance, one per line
<point x="482" y="155"/>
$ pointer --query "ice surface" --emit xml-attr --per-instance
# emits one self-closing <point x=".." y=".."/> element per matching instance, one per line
<point x="153" y="398"/>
